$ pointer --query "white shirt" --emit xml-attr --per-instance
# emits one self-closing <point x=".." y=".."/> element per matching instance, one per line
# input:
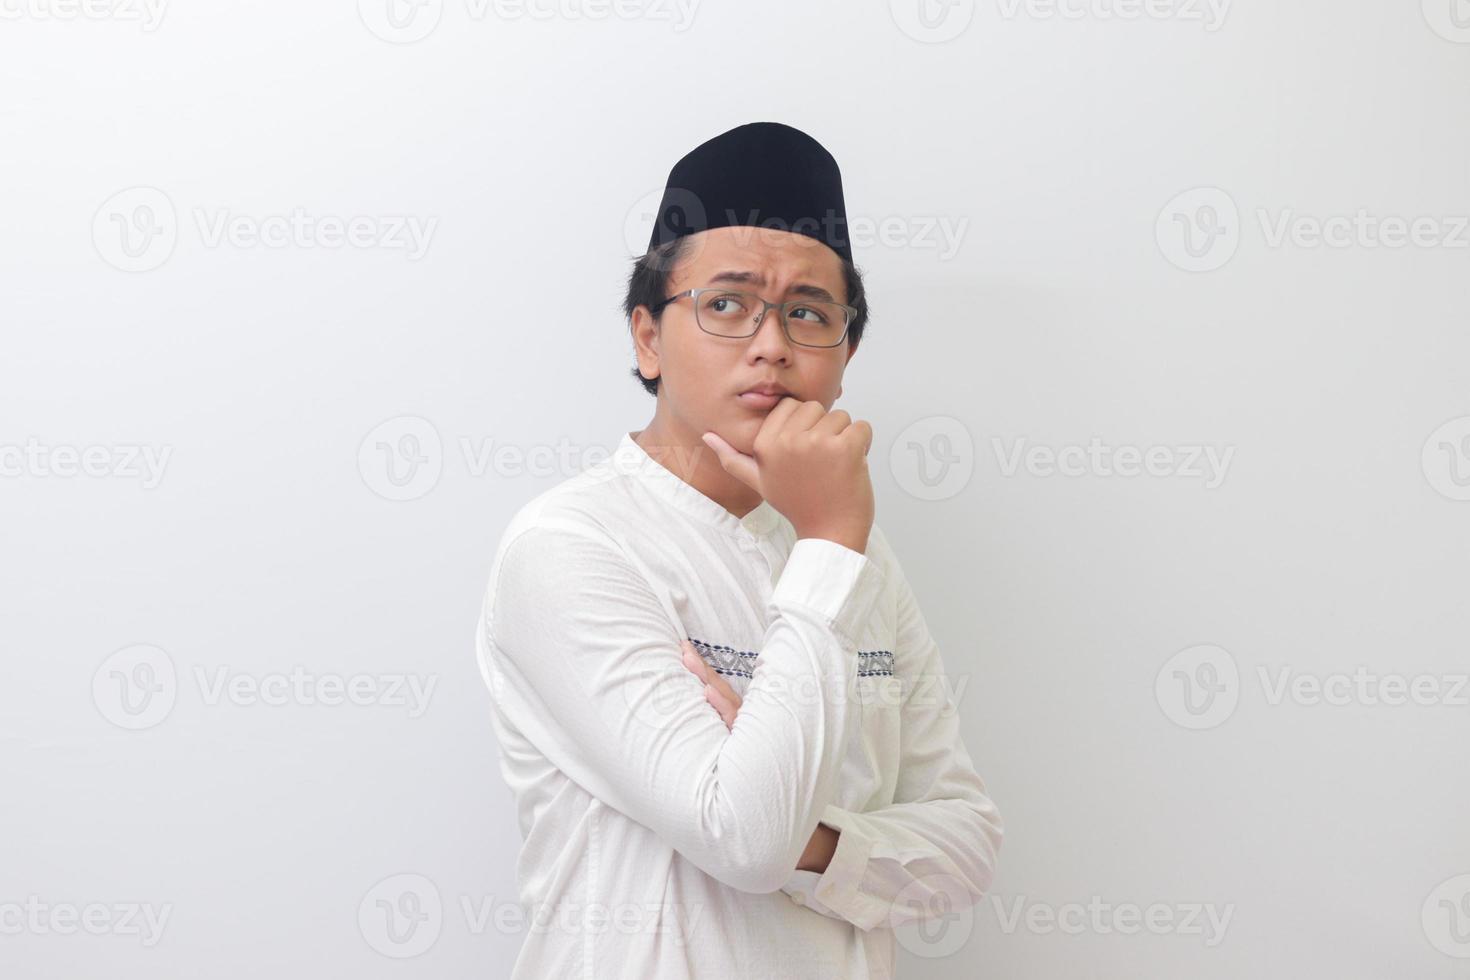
<point x="657" y="842"/>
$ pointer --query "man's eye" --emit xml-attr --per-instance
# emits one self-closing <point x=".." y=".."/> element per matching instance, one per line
<point x="724" y="304"/>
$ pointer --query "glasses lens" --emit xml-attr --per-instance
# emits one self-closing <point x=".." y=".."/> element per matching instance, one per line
<point x="816" y="323"/>
<point x="727" y="314"/>
<point x="732" y="314"/>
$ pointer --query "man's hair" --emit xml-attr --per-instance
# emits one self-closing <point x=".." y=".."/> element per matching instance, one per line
<point x="648" y="286"/>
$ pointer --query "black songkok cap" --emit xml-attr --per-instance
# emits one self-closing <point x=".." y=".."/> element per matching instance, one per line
<point x="762" y="174"/>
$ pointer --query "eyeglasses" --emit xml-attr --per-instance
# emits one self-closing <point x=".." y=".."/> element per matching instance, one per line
<point x="733" y="313"/>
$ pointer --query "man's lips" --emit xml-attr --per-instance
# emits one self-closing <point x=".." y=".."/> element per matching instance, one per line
<point x="755" y="398"/>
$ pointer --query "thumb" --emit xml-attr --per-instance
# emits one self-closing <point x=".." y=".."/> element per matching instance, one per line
<point x="736" y="463"/>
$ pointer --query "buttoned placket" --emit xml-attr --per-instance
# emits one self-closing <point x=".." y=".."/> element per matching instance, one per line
<point x="755" y="535"/>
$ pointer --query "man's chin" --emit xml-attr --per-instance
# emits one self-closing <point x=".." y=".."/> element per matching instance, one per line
<point x="740" y="430"/>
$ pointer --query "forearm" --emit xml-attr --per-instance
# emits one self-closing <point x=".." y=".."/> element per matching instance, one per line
<point x="819" y="849"/>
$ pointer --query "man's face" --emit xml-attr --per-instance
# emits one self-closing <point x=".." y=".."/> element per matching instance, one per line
<point x="701" y="375"/>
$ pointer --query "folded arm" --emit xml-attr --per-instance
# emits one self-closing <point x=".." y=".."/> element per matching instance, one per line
<point x="581" y="658"/>
<point x="935" y="846"/>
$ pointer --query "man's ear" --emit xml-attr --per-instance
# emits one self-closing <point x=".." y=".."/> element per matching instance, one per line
<point x="644" y="329"/>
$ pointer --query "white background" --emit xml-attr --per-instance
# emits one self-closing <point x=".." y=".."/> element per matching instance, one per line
<point x="1092" y="294"/>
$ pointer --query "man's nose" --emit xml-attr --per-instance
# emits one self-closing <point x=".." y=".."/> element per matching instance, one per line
<point x="770" y="337"/>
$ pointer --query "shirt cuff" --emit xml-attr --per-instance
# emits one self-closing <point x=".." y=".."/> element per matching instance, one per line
<point x="837" y="892"/>
<point x="832" y="580"/>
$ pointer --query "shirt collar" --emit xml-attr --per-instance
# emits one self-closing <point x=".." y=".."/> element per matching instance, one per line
<point x="632" y="459"/>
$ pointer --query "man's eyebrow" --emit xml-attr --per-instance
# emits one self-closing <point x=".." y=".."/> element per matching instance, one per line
<point x="752" y="279"/>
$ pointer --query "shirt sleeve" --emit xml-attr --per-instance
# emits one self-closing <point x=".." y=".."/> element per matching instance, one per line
<point x="934" y="848"/>
<point x="582" y="659"/>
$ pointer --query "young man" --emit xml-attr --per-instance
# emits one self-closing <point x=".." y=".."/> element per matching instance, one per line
<point x="728" y="729"/>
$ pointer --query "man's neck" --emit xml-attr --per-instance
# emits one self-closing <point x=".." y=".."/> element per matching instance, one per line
<point x="685" y="454"/>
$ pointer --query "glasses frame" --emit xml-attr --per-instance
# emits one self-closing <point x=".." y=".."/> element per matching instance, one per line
<point x="767" y="306"/>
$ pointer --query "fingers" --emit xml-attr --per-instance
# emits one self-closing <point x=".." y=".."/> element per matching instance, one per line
<point x="803" y="415"/>
<point x="736" y="463"/>
<point x="694" y="661"/>
<point x="833" y="422"/>
<point x="723" y="703"/>
<point x="717" y="690"/>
